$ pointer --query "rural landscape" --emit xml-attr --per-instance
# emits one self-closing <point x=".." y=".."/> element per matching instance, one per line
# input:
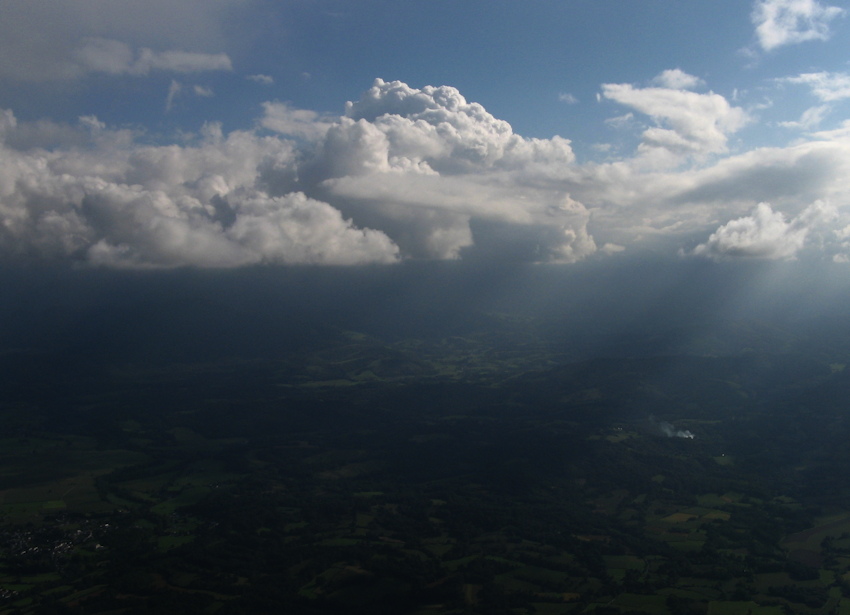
<point x="493" y="468"/>
<point x="368" y="307"/>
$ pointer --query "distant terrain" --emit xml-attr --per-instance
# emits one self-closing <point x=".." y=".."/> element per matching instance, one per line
<point x="497" y="469"/>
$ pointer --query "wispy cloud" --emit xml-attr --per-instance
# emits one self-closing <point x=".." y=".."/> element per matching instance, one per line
<point x="177" y="90"/>
<point x="47" y="40"/>
<point x="174" y="89"/>
<point x="828" y="87"/>
<point x="261" y="79"/>
<point x="117" y="58"/>
<point x="811" y="118"/>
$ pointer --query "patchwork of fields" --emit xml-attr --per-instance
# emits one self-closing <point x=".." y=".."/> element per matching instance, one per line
<point x="452" y="478"/>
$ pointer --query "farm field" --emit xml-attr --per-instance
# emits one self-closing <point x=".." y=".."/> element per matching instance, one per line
<point x="447" y="477"/>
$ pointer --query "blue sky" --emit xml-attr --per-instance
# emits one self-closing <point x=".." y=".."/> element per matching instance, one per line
<point x="216" y="133"/>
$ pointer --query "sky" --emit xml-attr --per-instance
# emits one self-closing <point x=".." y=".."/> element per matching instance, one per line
<point x="222" y="134"/>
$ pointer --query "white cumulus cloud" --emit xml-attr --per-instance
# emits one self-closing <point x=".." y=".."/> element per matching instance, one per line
<point x="282" y="118"/>
<point x="415" y="173"/>
<point x="787" y="22"/>
<point x="167" y="206"/>
<point x="677" y="79"/>
<point x="687" y="123"/>
<point x="764" y="234"/>
<point x="428" y="160"/>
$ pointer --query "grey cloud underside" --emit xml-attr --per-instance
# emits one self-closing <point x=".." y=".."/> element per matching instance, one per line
<point x="411" y="173"/>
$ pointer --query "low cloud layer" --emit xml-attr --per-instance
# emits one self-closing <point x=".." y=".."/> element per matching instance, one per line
<point x="423" y="174"/>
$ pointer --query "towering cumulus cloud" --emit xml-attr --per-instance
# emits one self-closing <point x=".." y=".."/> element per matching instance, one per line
<point x="427" y="163"/>
<point x="404" y="173"/>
